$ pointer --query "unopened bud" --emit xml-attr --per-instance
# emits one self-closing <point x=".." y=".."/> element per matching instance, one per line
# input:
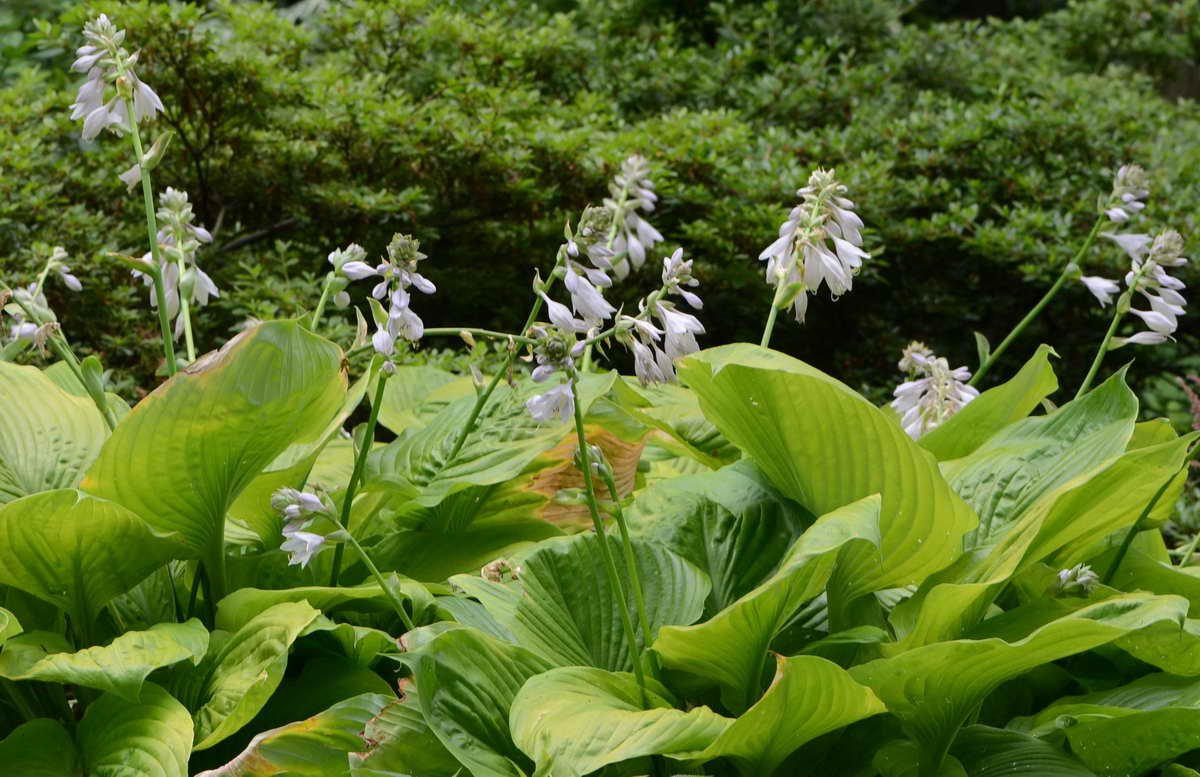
<point x="1079" y="580"/>
<point x="467" y="338"/>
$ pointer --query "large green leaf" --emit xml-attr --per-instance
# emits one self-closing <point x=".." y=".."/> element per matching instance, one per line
<point x="318" y="746"/>
<point x="574" y="720"/>
<point x="241" y="671"/>
<point x="994" y="409"/>
<point x="995" y="752"/>
<point x="808" y="697"/>
<point x="954" y="677"/>
<point x="825" y="446"/>
<point x="149" y="738"/>
<point x="504" y="440"/>
<point x="415" y="393"/>
<point x="1015" y="467"/>
<point x="76" y="551"/>
<point x="48" y="437"/>
<point x="9" y="626"/>
<point x="730" y="649"/>
<point x="569" y="616"/>
<point x="399" y="742"/>
<point x="245" y="604"/>
<point x="183" y="455"/>
<point x="40" y="748"/>
<point x="731" y="523"/>
<point x="466" y="682"/>
<point x="121" y="666"/>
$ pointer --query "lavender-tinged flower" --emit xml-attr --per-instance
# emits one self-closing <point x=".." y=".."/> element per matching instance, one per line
<point x="1149" y="278"/>
<point x="1133" y="244"/>
<point x="822" y="218"/>
<point x="676" y="275"/>
<point x="1101" y="288"/>
<point x="301" y="546"/>
<point x="106" y="62"/>
<point x="557" y="404"/>
<point x="1079" y="579"/>
<point x="299" y="509"/>
<point x="680" y="330"/>
<point x="586" y="299"/>
<point x="560" y="315"/>
<point x="1130" y="186"/>
<point x="397" y="275"/>
<point x="924" y="403"/>
<point x="632" y="189"/>
<point x="915" y="358"/>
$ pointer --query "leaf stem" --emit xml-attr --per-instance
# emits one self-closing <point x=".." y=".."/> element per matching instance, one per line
<point x="396" y="602"/>
<point x="1118" y="314"/>
<point x="320" y="309"/>
<point x="639" y="596"/>
<point x="455" y="330"/>
<point x="1068" y="270"/>
<point x="360" y="464"/>
<point x="20" y="699"/>
<point x="610" y="566"/>
<point x="1133" y="530"/>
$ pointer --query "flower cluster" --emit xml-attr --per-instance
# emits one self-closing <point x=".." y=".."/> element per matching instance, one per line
<point x="652" y="363"/>
<point x="1149" y="258"/>
<point x="824" y="232"/>
<point x="396" y="276"/>
<point x="1079" y="580"/>
<point x="1130" y="187"/>
<point x="32" y="319"/>
<point x="300" y="509"/>
<point x="631" y="190"/>
<point x="585" y="281"/>
<point x="106" y="62"/>
<point x="933" y="391"/>
<point x="178" y="241"/>
<point x="554" y="351"/>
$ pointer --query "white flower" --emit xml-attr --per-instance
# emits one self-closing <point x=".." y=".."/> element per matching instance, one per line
<point x="926" y="402"/>
<point x="680" y="330"/>
<point x="1150" y="278"/>
<point x="1141" y="338"/>
<point x="104" y="61"/>
<point x="1133" y="244"/>
<point x="556" y="404"/>
<point x="301" y="546"/>
<point x="586" y="299"/>
<point x="631" y="189"/>
<point x="1129" y="188"/>
<point x="560" y="315"/>
<point x="676" y="275"/>
<point x="131" y="177"/>
<point x="356" y="271"/>
<point x="822" y="218"/>
<point x="1101" y="288"/>
<point x="915" y="358"/>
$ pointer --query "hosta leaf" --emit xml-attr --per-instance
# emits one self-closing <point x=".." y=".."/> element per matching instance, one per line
<point x="575" y="720"/>
<point x="241" y="671"/>
<point x="48" y="436"/>
<point x="183" y="455"/>
<point x="121" y="666"/>
<point x="149" y="738"/>
<point x="568" y="615"/>
<point x="994" y="409"/>
<point x="40" y="748"/>
<point x="504" y="440"/>
<point x="1015" y="467"/>
<point x="9" y="626"/>
<point x="730" y="649"/>
<point x="955" y="676"/>
<point x="243" y="605"/>
<point x="808" y="697"/>
<point x="995" y="752"/>
<point x="399" y="742"/>
<point x="731" y="523"/>
<point x="314" y="747"/>
<point x="466" y="682"/>
<point x="415" y="393"/>
<point x="825" y="446"/>
<point x="76" y="551"/>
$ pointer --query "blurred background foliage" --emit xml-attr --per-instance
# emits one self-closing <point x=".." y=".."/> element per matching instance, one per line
<point x="974" y="137"/>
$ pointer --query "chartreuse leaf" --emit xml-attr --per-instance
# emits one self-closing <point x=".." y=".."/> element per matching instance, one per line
<point x="568" y="614"/>
<point x="40" y="748"/>
<point x="183" y="455"/>
<point x="994" y="409"/>
<point x="399" y="742"/>
<point x="148" y="738"/>
<point x="826" y="446"/>
<point x="121" y="666"/>
<point x="466" y="682"/>
<point x="995" y="752"/>
<point x="415" y="393"/>
<point x="574" y="720"/>
<point x="504" y="440"/>
<point x="241" y="671"/>
<point x="244" y="604"/>
<point x="731" y="523"/>
<point x="315" y="747"/>
<point x="808" y="697"/>
<point x="730" y="649"/>
<point x="76" y="551"/>
<point x="1026" y="460"/>
<point x="955" y="676"/>
<point x="9" y="626"/>
<point x="48" y="436"/>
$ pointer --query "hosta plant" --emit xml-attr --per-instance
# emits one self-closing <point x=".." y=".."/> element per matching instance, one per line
<point x="726" y="563"/>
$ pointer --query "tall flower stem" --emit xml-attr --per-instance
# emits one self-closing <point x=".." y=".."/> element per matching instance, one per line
<point x="457" y="330"/>
<point x="320" y="309"/>
<point x="360" y="464"/>
<point x="160" y="292"/>
<point x="776" y="302"/>
<point x="1101" y="352"/>
<point x="635" y="580"/>
<point x="397" y="603"/>
<point x="1134" y="529"/>
<point x="1071" y="267"/>
<point x="610" y="565"/>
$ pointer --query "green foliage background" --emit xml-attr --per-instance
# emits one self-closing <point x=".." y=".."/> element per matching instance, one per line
<point x="974" y="149"/>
